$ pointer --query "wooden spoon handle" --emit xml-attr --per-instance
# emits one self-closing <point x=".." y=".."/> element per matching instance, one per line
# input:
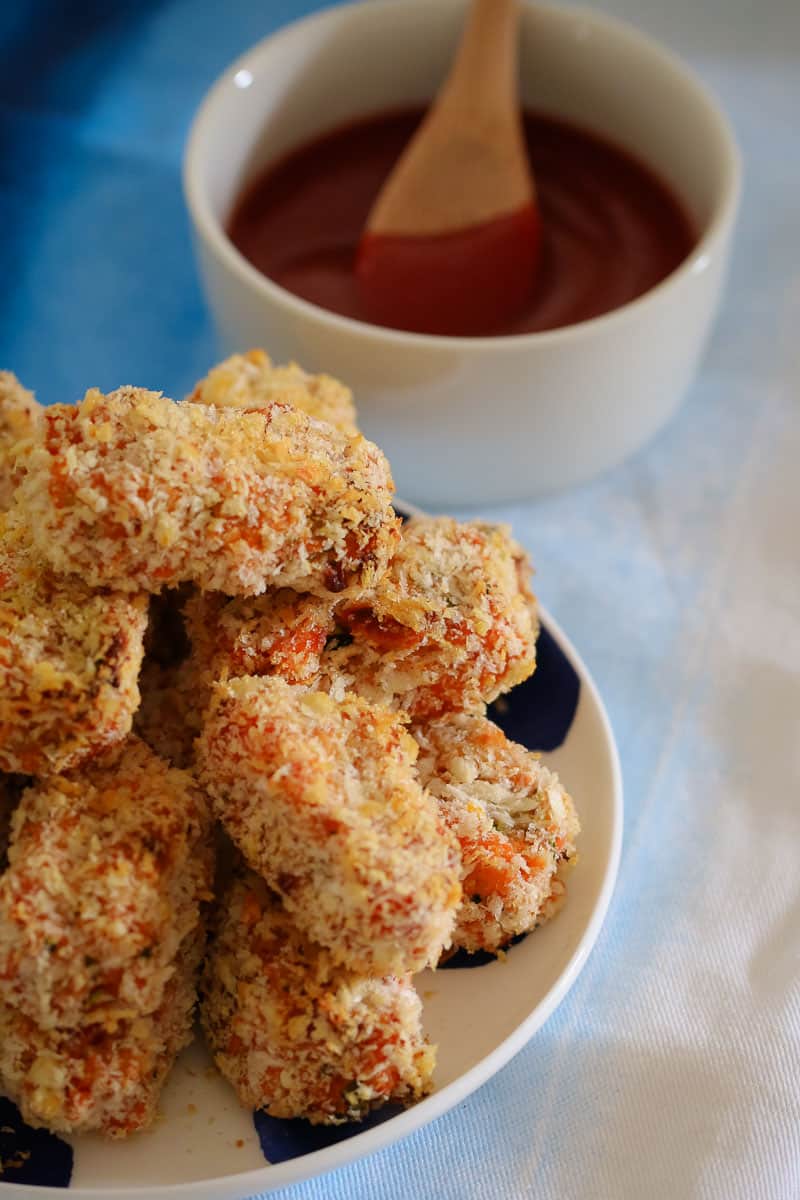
<point x="483" y="77"/>
<point x="467" y="162"/>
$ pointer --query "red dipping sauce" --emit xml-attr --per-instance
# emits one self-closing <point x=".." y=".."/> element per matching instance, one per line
<point x="611" y="229"/>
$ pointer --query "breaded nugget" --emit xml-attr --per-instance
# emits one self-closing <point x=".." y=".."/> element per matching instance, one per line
<point x="98" y="1078"/>
<point x="69" y="661"/>
<point x="515" y="824"/>
<point x="280" y="633"/>
<point x="134" y="491"/>
<point x="451" y="626"/>
<point x="295" y="1033"/>
<point x="251" y="381"/>
<point x="20" y="417"/>
<point x="323" y="802"/>
<point x="108" y="866"/>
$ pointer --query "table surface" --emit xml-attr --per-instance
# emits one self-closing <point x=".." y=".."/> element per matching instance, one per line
<point x="672" y="1068"/>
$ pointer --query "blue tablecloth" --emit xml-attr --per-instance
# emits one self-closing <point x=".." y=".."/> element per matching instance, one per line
<point x="672" y="1068"/>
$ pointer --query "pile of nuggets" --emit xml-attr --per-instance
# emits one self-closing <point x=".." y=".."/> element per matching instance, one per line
<point x="244" y="752"/>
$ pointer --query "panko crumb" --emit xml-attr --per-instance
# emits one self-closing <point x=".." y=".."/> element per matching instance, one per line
<point x="134" y="491"/>
<point x="93" y="1078"/>
<point x="252" y="381"/>
<point x="451" y="626"/>
<point x="299" y="1035"/>
<point x="20" y="420"/>
<point x="69" y="661"/>
<point x="322" y="800"/>
<point x="108" y="867"/>
<point x="515" y="824"/>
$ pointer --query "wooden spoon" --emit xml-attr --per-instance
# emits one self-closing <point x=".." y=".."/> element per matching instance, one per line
<point x="452" y="241"/>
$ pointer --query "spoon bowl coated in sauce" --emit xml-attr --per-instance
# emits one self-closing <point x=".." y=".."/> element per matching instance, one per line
<point x="452" y="240"/>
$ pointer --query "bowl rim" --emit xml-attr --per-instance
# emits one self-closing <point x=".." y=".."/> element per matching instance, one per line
<point x="213" y="232"/>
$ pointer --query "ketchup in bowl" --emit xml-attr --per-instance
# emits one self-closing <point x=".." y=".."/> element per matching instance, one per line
<point x="611" y="229"/>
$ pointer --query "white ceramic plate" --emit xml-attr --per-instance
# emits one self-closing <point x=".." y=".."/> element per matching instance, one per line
<point x="208" y="1148"/>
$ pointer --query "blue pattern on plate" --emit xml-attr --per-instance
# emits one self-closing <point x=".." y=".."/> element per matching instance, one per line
<point x="539" y="713"/>
<point x="31" y="1156"/>
<point x="462" y="958"/>
<point x="281" y="1139"/>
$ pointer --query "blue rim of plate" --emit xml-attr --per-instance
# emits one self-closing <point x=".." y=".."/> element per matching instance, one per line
<point x="45" y="1161"/>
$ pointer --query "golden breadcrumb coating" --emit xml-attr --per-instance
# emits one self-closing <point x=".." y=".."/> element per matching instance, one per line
<point x="252" y="381"/>
<point x="514" y="822"/>
<point x="135" y="491"/>
<point x="295" y="1033"/>
<point x="280" y="633"/>
<point x="451" y="626"/>
<point x="20" y="417"/>
<point x="108" y="866"/>
<point x="69" y="661"/>
<point x="322" y="800"/>
<point x="94" y="1078"/>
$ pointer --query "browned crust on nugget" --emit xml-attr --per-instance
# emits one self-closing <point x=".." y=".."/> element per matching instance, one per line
<point x="323" y="801"/>
<point x="296" y="1033"/>
<point x="108" y="866"/>
<point x="135" y="491"/>
<point x="515" y="824"/>
<point x="253" y="381"/>
<point x="69" y="661"/>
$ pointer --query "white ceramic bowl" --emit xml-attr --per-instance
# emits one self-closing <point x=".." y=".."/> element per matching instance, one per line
<point x="474" y="419"/>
